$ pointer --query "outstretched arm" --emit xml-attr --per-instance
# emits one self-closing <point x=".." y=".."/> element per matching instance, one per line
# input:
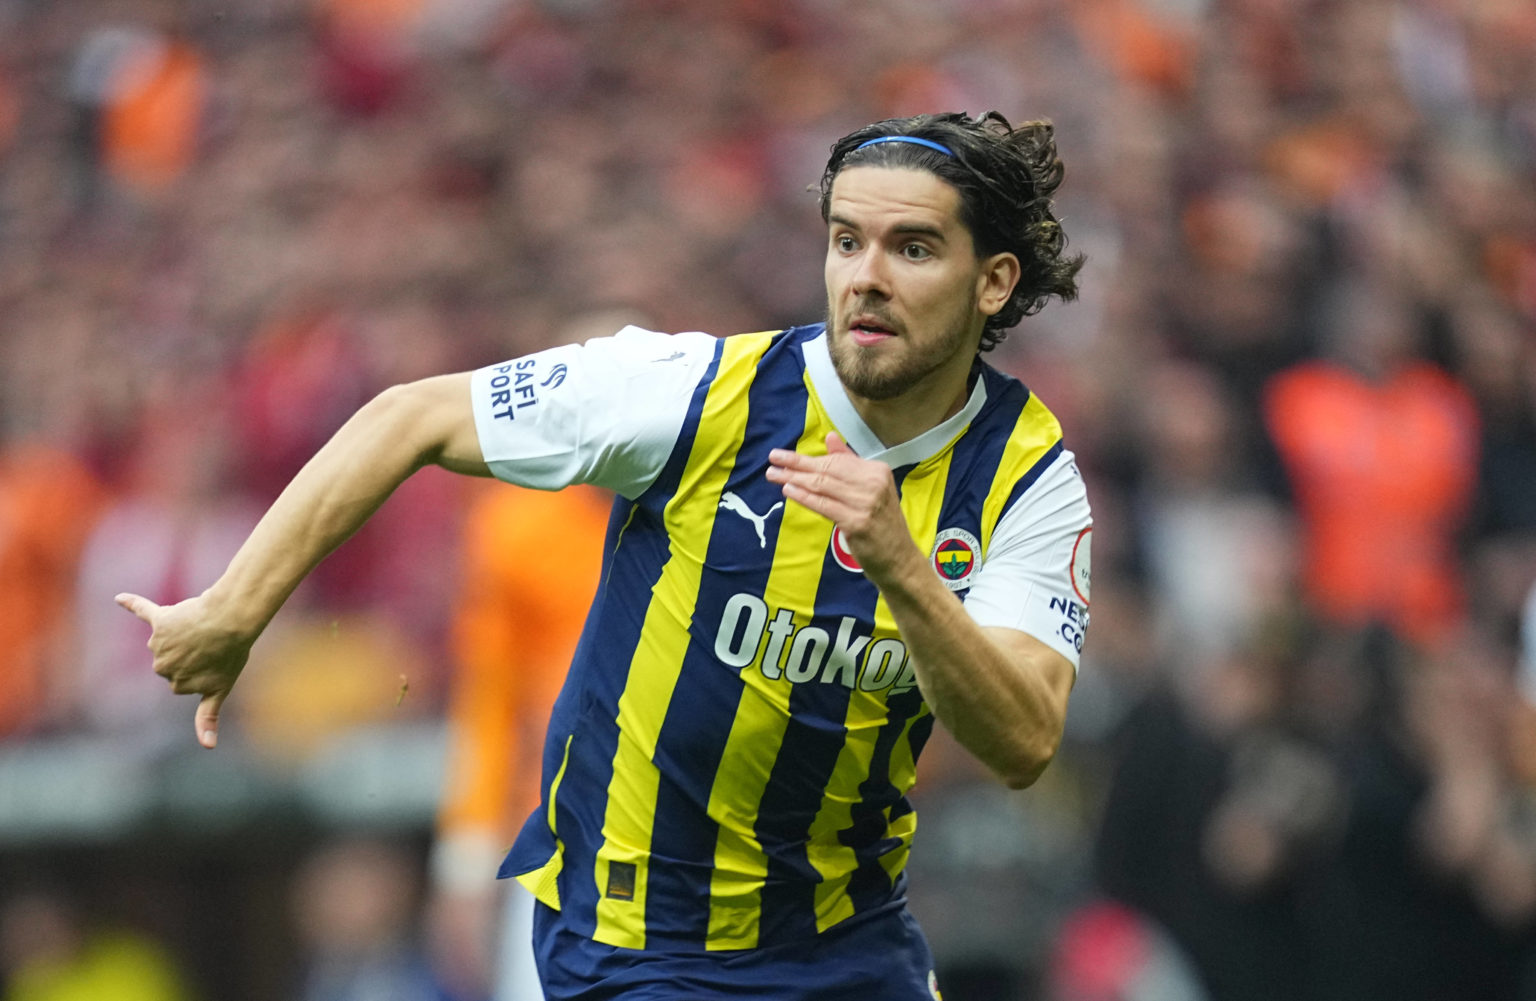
<point x="201" y="644"/>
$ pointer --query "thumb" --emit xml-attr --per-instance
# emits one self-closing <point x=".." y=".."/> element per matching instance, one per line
<point x="206" y="720"/>
<point x="836" y="444"/>
<point x="138" y="605"/>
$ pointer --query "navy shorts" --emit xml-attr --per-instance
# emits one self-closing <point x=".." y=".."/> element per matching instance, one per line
<point x="879" y="957"/>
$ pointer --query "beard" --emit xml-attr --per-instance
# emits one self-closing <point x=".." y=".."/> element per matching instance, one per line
<point x="884" y="374"/>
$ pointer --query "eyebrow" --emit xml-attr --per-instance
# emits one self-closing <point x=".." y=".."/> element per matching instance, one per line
<point x="901" y="229"/>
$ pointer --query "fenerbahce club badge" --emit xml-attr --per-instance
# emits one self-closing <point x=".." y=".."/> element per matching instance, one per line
<point x="956" y="557"/>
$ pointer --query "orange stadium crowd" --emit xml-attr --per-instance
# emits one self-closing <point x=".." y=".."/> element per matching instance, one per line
<point x="1300" y="380"/>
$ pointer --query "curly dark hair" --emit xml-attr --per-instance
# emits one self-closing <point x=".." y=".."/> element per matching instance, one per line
<point x="1005" y="175"/>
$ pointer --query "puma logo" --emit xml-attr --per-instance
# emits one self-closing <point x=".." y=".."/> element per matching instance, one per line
<point x="736" y="505"/>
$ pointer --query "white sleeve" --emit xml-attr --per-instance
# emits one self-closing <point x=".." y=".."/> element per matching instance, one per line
<point x="606" y="412"/>
<point x="1036" y="574"/>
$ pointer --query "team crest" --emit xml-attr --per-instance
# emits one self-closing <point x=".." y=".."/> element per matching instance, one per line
<point x="957" y="557"/>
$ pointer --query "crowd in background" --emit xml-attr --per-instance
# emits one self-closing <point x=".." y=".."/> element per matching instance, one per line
<point x="1300" y="381"/>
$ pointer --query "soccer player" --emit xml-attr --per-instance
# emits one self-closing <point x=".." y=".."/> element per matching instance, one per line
<point x="824" y="539"/>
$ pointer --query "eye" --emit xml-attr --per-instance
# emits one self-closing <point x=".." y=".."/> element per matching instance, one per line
<point x="845" y="243"/>
<point x="916" y="252"/>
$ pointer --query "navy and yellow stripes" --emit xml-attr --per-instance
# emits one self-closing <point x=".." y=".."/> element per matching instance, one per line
<point x="741" y="725"/>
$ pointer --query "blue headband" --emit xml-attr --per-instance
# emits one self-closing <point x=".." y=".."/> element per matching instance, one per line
<point x="915" y="140"/>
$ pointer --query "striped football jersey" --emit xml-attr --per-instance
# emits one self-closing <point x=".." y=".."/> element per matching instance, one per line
<point x="728" y="762"/>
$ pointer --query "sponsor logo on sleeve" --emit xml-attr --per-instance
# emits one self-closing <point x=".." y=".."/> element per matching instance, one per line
<point x="515" y="386"/>
<point x="1074" y="621"/>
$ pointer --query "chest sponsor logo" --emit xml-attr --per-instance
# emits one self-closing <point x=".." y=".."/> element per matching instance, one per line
<point x="781" y="645"/>
<point x="956" y="557"/>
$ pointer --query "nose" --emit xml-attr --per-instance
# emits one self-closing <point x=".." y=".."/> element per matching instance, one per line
<point x="871" y="277"/>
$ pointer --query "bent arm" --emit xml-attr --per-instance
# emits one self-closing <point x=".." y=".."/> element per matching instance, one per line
<point x="1000" y="692"/>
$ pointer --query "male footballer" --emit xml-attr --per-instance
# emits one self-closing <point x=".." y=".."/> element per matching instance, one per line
<point x="824" y="540"/>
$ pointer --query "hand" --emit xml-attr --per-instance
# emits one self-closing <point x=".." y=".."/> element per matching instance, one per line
<point x="194" y="654"/>
<point x="859" y="495"/>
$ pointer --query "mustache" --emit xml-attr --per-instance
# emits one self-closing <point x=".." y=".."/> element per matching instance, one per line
<point x="875" y="312"/>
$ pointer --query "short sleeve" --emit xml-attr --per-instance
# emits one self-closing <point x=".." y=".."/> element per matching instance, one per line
<point x="606" y="412"/>
<point x="1036" y="573"/>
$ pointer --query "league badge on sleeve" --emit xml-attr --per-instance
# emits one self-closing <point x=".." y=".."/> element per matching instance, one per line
<point x="1082" y="558"/>
<point x="956" y="557"/>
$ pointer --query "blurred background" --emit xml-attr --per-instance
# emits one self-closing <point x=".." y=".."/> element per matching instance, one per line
<point x="1301" y="382"/>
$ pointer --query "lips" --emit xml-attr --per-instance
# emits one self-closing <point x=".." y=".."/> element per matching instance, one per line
<point x="866" y="330"/>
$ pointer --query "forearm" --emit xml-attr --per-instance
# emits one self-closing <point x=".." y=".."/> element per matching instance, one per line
<point x="1000" y="693"/>
<point x="386" y="441"/>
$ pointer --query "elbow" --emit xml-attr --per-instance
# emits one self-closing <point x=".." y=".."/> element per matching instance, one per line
<point x="1029" y="762"/>
<point x="409" y="414"/>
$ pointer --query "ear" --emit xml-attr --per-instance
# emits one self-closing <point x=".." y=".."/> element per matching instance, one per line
<point x="999" y="275"/>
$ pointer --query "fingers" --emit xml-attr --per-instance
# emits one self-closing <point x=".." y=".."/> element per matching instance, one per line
<point x="206" y="719"/>
<point x="138" y="605"/>
<point x="786" y="458"/>
<point x="826" y="505"/>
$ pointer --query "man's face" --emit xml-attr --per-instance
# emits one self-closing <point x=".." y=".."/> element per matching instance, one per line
<point x="906" y="293"/>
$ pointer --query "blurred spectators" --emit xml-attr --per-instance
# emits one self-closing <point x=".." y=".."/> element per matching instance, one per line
<point x="1381" y="449"/>
<point x="1309" y="313"/>
<point x="354" y="902"/>
<point x="48" y="502"/>
<point x="51" y="951"/>
<point x="1107" y="952"/>
<point x="139" y="97"/>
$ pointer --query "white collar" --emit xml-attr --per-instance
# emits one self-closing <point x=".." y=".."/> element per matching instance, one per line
<point x="864" y="442"/>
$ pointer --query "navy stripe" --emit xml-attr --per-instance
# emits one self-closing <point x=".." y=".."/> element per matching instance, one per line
<point x="535" y="843"/>
<point x="599" y="671"/>
<point x="870" y="887"/>
<point x="972" y="466"/>
<point x="699" y="717"/>
<point x="1028" y="479"/>
<point x="807" y="761"/>
<point x="978" y="454"/>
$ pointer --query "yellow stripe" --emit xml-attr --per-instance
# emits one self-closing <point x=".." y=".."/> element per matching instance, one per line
<point x="658" y="657"/>
<point x="903" y="776"/>
<point x="757" y="732"/>
<point x="922" y="496"/>
<point x="543" y="882"/>
<point x="1033" y="435"/>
